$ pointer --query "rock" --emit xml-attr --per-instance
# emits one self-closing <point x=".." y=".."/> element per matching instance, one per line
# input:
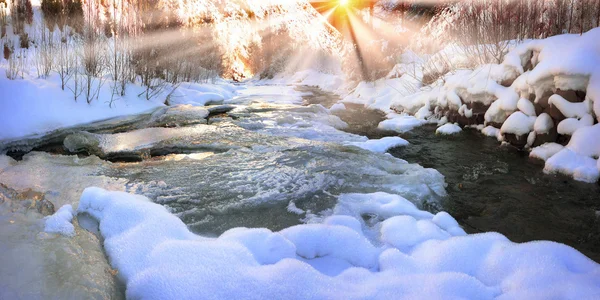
<point x="571" y="95"/>
<point x="518" y="141"/>
<point x="542" y="138"/>
<point x="543" y="100"/>
<point x="555" y="113"/>
<point x="83" y="142"/>
<point x="178" y="116"/>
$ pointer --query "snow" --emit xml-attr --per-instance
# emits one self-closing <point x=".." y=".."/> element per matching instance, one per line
<point x="568" y="109"/>
<point x="381" y="145"/>
<point x="518" y="123"/>
<point x="400" y="123"/>
<point x="337" y="107"/>
<point x="492" y="131"/>
<point x="546" y="151"/>
<point x="586" y="141"/>
<point x="60" y="221"/>
<point x="571" y="125"/>
<point x="543" y="123"/>
<point x="158" y="258"/>
<point x="35" y="106"/>
<point x="568" y="162"/>
<point x="448" y="129"/>
<point x="526" y="107"/>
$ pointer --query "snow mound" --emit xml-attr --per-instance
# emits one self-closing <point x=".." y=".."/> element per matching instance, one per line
<point x="545" y="151"/>
<point x="158" y="258"/>
<point x="448" y="129"/>
<point x="401" y="124"/>
<point x="580" y="158"/>
<point x="381" y="145"/>
<point x="60" y="222"/>
<point x="518" y="123"/>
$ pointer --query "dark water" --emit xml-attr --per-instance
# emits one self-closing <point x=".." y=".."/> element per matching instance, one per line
<point x="497" y="188"/>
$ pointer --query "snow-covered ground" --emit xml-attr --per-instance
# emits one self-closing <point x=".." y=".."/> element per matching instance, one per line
<point x="34" y="106"/>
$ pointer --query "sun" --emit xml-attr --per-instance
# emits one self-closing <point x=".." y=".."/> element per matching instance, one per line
<point x="344" y="2"/>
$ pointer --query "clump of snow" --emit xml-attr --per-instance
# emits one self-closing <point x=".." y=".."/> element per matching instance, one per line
<point x="568" y="109"/>
<point x="580" y="157"/>
<point x="571" y="125"/>
<point x="157" y="256"/>
<point x="518" y="123"/>
<point x="381" y="145"/>
<point x="400" y="123"/>
<point x="337" y="107"/>
<point x="543" y="123"/>
<point x="492" y="131"/>
<point x="545" y="151"/>
<point x="526" y="107"/>
<point x="448" y="129"/>
<point x="60" y="221"/>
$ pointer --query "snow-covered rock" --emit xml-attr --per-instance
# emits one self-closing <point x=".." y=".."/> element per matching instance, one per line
<point x="448" y="129"/>
<point x="381" y="145"/>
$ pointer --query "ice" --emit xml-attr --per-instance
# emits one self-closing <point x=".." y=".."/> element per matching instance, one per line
<point x="157" y="257"/>
<point x="546" y="151"/>
<point x="60" y="222"/>
<point x="381" y="145"/>
<point x="401" y="123"/>
<point x="448" y="129"/>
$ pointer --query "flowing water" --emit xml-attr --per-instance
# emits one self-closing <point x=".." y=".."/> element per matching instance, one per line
<point x="269" y="158"/>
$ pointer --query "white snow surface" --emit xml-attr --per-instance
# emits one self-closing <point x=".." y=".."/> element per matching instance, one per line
<point x="546" y="151"/>
<point x="518" y="123"/>
<point x="580" y="157"/>
<point x="60" y="221"/>
<point x="448" y="129"/>
<point x="400" y="123"/>
<point x="381" y="145"/>
<point x="413" y="255"/>
<point x="33" y="106"/>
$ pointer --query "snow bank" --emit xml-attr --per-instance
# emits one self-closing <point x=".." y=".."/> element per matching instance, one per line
<point x="545" y="151"/>
<point x="448" y="129"/>
<point x="36" y="106"/>
<point x="382" y="145"/>
<point x="60" y="221"/>
<point x="414" y="254"/>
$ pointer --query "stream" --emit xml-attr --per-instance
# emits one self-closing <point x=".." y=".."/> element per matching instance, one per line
<point x="272" y="157"/>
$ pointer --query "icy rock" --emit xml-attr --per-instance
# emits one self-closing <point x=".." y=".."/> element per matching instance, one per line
<point x="517" y="128"/>
<point x="568" y="109"/>
<point x="178" y="116"/>
<point x="83" y="142"/>
<point x="401" y="124"/>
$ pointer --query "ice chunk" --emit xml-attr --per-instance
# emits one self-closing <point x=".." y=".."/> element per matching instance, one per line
<point x="381" y="145"/>
<point x="337" y="107"/>
<point x="448" y="129"/>
<point x="60" y="221"/>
